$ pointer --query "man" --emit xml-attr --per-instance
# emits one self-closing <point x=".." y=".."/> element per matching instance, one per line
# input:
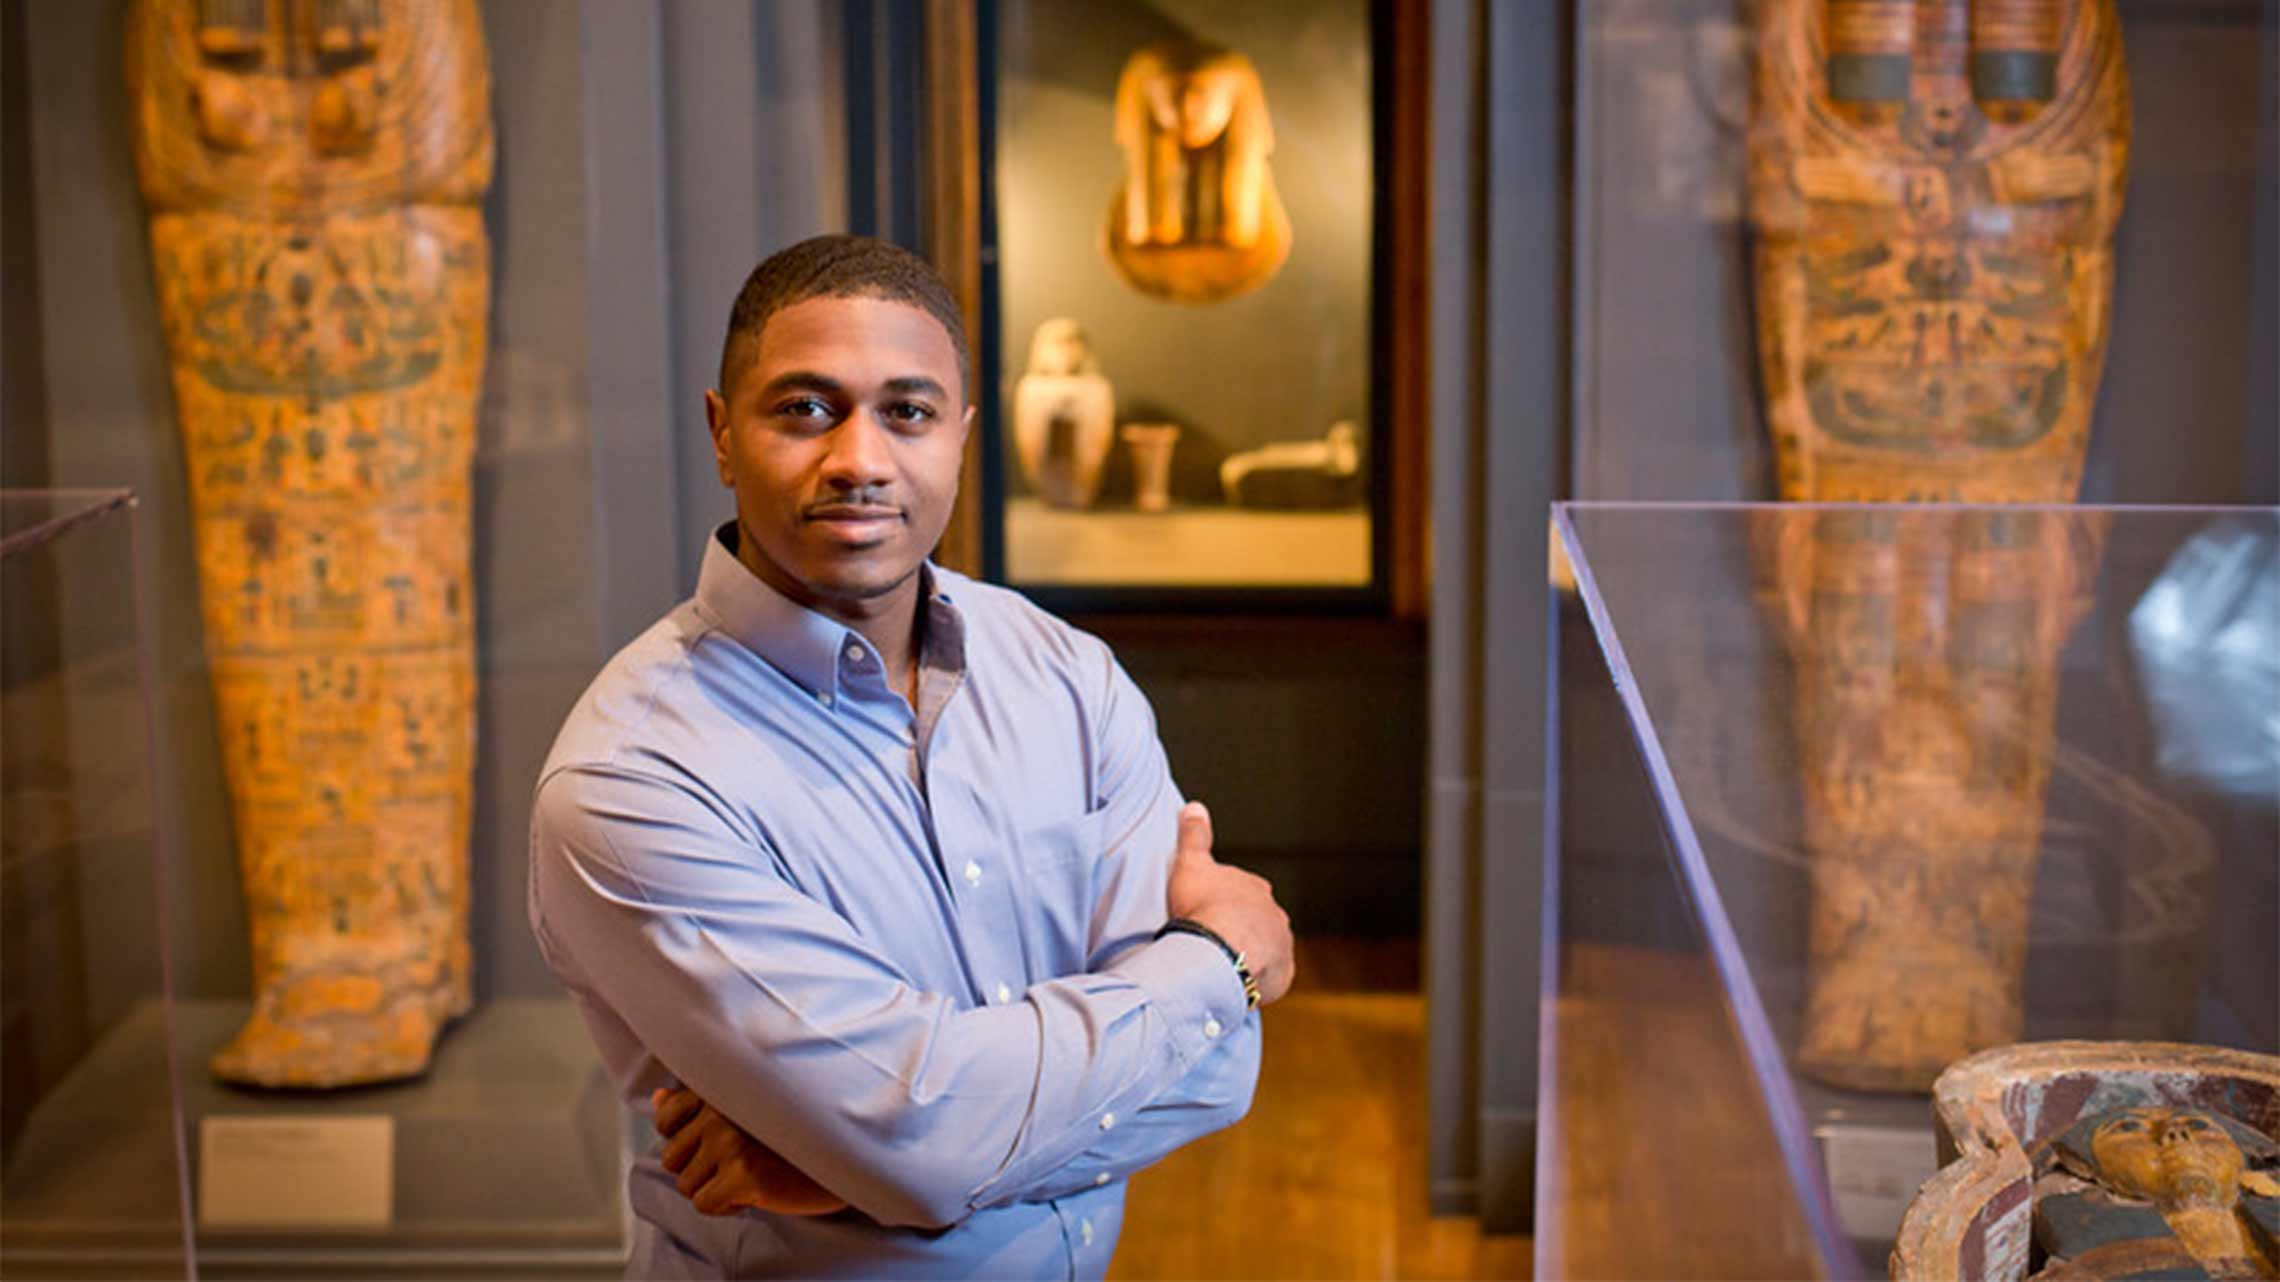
<point x="871" y="880"/>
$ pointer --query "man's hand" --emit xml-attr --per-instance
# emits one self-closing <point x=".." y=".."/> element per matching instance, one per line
<point x="722" y="1169"/>
<point x="1238" y="906"/>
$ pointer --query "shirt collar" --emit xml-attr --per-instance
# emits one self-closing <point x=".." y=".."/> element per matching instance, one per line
<point x="804" y="645"/>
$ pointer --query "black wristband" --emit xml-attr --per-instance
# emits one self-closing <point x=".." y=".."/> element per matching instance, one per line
<point x="1184" y="926"/>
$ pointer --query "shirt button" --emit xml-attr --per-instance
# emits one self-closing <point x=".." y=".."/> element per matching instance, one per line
<point x="854" y="654"/>
<point x="1005" y="993"/>
<point x="1107" y="1120"/>
<point x="1211" y="1028"/>
<point x="973" y="873"/>
<point x="823" y="697"/>
<point x="1084" y="1230"/>
<point x="1100" y="1179"/>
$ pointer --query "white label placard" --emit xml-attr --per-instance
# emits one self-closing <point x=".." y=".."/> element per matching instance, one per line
<point x="1875" y="1171"/>
<point x="296" y="1172"/>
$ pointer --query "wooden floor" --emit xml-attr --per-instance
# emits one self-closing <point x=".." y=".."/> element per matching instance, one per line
<point x="1654" y="1107"/>
<point x="1326" y="1177"/>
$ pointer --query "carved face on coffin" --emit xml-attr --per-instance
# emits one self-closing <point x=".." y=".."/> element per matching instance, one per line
<point x="2159" y="1190"/>
<point x="2168" y="1156"/>
<point x="303" y="106"/>
<point x="1935" y="267"/>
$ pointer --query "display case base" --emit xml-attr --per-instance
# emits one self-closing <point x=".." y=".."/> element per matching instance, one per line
<point x="508" y="1159"/>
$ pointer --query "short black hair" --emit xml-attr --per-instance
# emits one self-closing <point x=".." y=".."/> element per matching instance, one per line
<point x="841" y="267"/>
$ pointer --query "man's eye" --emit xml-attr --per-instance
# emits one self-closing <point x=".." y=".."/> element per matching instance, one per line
<point x="910" y="412"/>
<point x="804" y="407"/>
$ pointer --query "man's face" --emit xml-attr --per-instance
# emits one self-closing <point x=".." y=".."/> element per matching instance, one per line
<point x="842" y="437"/>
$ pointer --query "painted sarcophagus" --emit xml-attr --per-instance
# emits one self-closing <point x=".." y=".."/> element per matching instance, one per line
<point x="1934" y="187"/>
<point x="2070" y="1161"/>
<point x="313" y="172"/>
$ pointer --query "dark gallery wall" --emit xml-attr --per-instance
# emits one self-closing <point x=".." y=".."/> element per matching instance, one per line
<point x="1281" y="363"/>
<point x="23" y="390"/>
<point x="1309" y="747"/>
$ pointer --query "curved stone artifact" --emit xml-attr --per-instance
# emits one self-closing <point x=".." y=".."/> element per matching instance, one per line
<point x="314" y="171"/>
<point x="1934" y="185"/>
<point x="2106" y="1160"/>
<point x="1197" y="217"/>
<point x="1325" y="473"/>
<point x="1064" y="415"/>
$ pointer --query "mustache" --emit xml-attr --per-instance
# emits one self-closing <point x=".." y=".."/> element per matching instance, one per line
<point x="860" y="503"/>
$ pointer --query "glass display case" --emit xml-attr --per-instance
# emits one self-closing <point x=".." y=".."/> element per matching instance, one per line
<point x="1893" y="785"/>
<point x="91" y="1134"/>
<point x="125" y="1155"/>
<point x="355" y="668"/>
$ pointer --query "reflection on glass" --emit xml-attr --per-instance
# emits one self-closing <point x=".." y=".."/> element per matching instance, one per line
<point x="1650" y="1110"/>
<point x="90" y="1129"/>
<point x="1924" y="648"/>
<point x="1925" y="779"/>
<point x="1185" y="254"/>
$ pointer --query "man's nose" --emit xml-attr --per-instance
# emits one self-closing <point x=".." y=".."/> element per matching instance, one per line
<point x="859" y="457"/>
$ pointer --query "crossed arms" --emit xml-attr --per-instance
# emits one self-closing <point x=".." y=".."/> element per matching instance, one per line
<point x="781" y="1021"/>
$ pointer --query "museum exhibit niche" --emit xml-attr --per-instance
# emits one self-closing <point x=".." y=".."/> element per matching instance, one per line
<point x="269" y="1008"/>
<point x="1186" y="284"/>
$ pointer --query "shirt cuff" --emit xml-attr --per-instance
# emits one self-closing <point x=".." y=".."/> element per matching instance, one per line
<point x="1194" y="985"/>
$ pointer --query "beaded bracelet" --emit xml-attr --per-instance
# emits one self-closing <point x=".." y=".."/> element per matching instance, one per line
<point x="1184" y="926"/>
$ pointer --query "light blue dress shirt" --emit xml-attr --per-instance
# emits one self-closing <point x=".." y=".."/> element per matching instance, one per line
<point x="907" y="949"/>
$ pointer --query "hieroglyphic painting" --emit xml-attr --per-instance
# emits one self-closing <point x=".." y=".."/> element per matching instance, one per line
<point x="313" y="171"/>
<point x="1935" y="186"/>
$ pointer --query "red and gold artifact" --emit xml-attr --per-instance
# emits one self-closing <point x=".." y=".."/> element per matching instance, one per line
<point x="2077" y="1161"/>
<point x="314" y="172"/>
<point x="1935" y="186"/>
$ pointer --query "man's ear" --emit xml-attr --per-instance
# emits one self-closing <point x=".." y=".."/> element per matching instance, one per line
<point x="972" y="411"/>
<point x="716" y="421"/>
